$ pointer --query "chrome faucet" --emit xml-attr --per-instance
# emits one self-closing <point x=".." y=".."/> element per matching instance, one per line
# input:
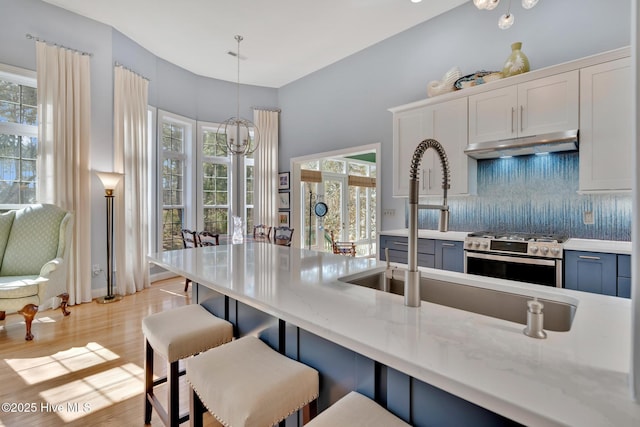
<point x="412" y="275"/>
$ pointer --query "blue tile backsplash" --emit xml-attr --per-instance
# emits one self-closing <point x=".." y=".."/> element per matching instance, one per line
<point x="536" y="194"/>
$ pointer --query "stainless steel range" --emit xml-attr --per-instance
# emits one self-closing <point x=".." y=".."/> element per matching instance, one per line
<point x="523" y="257"/>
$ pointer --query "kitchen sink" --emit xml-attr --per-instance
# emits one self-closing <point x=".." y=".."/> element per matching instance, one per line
<point x="558" y="316"/>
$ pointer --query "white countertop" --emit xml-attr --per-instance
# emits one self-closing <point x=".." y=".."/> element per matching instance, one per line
<point x="590" y="245"/>
<point x="593" y="245"/>
<point x="578" y="378"/>
<point x="429" y="234"/>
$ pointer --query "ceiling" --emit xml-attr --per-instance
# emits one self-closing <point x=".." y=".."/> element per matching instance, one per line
<point x="284" y="40"/>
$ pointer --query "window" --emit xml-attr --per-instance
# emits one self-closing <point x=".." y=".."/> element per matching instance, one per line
<point x="18" y="136"/>
<point x="219" y="194"/>
<point x="248" y="192"/>
<point x="216" y="165"/>
<point x="348" y="187"/>
<point x="197" y="185"/>
<point x="175" y="142"/>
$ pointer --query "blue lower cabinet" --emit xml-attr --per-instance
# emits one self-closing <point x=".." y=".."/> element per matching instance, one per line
<point x="624" y="287"/>
<point x="450" y="255"/>
<point x="624" y="276"/>
<point x="442" y="254"/>
<point x="341" y="370"/>
<point x="591" y="272"/>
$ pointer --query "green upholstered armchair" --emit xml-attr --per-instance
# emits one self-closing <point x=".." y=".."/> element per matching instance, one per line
<point x="34" y="256"/>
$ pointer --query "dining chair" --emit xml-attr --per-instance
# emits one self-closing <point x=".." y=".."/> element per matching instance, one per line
<point x="262" y="233"/>
<point x="282" y="235"/>
<point x="206" y="238"/>
<point x="342" y="248"/>
<point x="196" y="239"/>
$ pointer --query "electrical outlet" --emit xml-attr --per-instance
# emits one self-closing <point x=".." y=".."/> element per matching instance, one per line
<point x="587" y="217"/>
<point x="96" y="269"/>
<point x="388" y="212"/>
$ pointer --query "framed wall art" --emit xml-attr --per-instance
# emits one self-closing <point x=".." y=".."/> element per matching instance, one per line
<point x="284" y="201"/>
<point x="283" y="219"/>
<point x="283" y="181"/>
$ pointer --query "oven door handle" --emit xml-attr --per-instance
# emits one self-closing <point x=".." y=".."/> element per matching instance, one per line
<point x="518" y="260"/>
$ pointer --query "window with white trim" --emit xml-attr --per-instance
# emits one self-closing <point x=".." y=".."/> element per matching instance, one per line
<point x="176" y="138"/>
<point x="214" y="188"/>
<point x="219" y="194"/>
<point x="18" y="136"/>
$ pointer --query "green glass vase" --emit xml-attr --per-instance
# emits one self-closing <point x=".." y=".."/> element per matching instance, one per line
<point x="516" y="63"/>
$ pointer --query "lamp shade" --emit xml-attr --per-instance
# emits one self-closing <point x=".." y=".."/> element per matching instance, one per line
<point x="109" y="179"/>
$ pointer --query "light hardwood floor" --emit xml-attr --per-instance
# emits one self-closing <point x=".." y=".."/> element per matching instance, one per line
<point x="85" y="369"/>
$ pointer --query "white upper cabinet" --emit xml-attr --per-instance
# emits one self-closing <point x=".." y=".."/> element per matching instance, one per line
<point x="606" y="115"/>
<point x="540" y="106"/>
<point x="445" y="122"/>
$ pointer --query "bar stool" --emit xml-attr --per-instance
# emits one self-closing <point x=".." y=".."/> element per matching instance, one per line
<point x="177" y="334"/>
<point x="356" y="410"/>
<point x="246" y="383"/>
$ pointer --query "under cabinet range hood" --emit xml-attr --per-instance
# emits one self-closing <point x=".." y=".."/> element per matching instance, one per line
<point x="537" y="144"/>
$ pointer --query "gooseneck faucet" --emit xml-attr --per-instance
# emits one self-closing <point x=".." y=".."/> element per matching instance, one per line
<point x="412" y="275"/>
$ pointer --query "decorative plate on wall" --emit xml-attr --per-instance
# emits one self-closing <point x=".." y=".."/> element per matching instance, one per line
<point x="320" y="209"/>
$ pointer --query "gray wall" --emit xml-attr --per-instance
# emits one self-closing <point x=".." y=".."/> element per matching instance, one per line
<point x="171" y="88"/>
<point x="345" y="104"/>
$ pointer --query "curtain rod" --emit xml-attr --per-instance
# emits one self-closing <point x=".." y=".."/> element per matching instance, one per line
<point x="274" y="109"/>
<point x="117" y="64"/>
<point x="38" y="39"/>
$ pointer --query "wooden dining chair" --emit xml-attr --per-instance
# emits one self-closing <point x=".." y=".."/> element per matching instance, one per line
<point x="206" y="238"/>
<point x="189" y="240"/>
<point x="342" y="248"/>
<point x="282" y="235"/>
<point x="262" y="233"/>
<point x="196" y="239"/>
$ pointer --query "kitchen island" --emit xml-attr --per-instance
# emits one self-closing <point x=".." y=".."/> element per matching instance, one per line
<point x="579" y="377"/>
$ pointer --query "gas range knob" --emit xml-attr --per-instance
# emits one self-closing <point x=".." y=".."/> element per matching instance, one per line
<point x="555" y="251"/>
<point x="476" y="244"/>
<point x="485" y="245"/>
<point x="533" y="249"/>
<point x="544" y="250"/>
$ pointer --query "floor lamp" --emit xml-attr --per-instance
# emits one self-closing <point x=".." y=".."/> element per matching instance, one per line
<point x="109" y="181"/>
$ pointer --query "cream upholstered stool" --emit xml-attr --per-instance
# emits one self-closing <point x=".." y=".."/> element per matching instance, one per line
<point x="356" y="410"/>
<point x="246" y="383"/>
<point x="177" y="334"/>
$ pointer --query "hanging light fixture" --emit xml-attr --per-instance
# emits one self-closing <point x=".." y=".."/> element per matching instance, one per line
<point x="242" y="144"/>
<point x="507" y="19"/>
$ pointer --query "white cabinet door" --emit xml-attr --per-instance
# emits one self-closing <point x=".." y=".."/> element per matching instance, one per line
<point x="492" y="115"/>
<point x="407" y="134"/>
<point x="540" y="106"/>
<point x="605" y="126"/>
<point x="446" y="123"/>
<point x="548" y="105"/>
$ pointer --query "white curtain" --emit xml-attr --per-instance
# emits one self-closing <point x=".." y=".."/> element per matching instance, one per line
<point x="64" y="147"/>
<point x="131" y="158"/>
<point x="266" y="168"/>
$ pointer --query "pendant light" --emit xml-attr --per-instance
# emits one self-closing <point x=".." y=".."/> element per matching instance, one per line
<point x="507" y="19"/>
<point x="241" y="144"/>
